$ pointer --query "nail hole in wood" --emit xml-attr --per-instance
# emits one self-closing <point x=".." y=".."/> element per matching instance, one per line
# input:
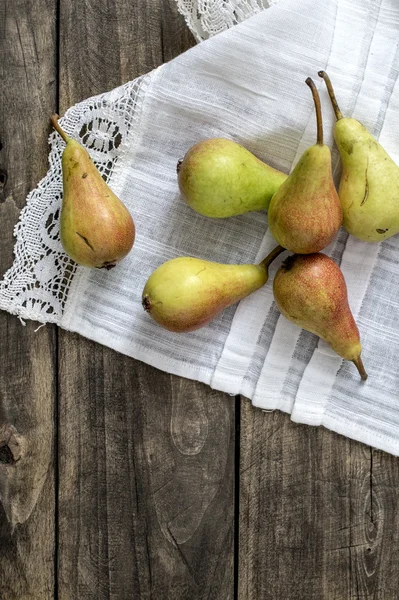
<point x="6" y="456"/>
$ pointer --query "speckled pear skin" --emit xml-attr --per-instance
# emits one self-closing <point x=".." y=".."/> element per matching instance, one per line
<point x="310" y="291"/>
<point x="185" y="293"/>
<point x="96" y="229"/>
<point x="219" y="178"/>
<point x="369" y="187"/>
<point x="305" y="213"/>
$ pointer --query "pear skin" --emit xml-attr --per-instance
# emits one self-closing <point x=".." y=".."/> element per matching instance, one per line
<point x="219" y="178"/>
<point x="96" y="229"/>
<point x="369" y="187"/>
<point x="310" y="291"/>
<point x="305" y="213"/>
<point x="185" y="293"/>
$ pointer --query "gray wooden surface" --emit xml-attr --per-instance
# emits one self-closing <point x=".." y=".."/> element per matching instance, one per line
<point x="116" y="480"/>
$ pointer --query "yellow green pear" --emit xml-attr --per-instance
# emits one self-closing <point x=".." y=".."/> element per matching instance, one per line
<point x="185" y="293"/>
<point x="96" y="228"/>
<point x="219" y="178"/>
<point x="305" y="213"/>
<point x="369" y="186"/>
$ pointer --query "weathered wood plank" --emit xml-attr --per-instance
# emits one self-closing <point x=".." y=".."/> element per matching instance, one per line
<point x="375" y="538"/>
<point x="27" y="382"/>
<point x="146" y="459"/>
<point x="146" y="481"/>
<point x="121" y="39"/>
<point x="316" y="521"/>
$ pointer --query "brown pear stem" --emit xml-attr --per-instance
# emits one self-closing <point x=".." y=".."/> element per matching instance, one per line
<point x="360" y="367"/>
<point x="270" y="257"/>
<point x="331" y="93"/>
<point x="319" y="118"/>
<point x="58" y="128"/>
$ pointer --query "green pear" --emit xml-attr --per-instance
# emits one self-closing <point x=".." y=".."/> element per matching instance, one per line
<point x="310" y="291"/>
<point x="185" y="293"/>
<point x="96" y="229"/>
<point x="305" y="213"/>
<point x="369" y="187"/>
<point x="219" y="178"/>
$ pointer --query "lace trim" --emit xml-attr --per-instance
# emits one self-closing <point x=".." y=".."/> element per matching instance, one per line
<point x="206" y="18"/>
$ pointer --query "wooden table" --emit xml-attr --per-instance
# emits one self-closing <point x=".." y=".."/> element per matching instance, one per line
<point x="117" y="480"/>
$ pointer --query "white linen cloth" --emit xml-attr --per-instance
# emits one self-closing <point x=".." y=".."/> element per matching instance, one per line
<point x="246" y="83"/>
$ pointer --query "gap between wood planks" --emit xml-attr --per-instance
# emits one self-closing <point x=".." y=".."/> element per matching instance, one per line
<point x="237" y="449"/>
<point x="57" y="383"/>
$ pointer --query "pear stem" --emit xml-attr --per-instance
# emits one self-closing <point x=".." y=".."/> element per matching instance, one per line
<point x="331" y="93"/>
<point x="319" y="118"/>
<point x="270" y="257"/>
<point x="360" y="367"/>
<point x="58" y="128"/>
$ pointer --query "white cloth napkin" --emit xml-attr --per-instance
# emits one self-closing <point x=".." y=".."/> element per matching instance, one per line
<point x="247" y="84"/>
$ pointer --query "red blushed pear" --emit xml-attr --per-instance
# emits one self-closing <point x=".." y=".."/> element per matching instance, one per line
<point x="96" y="229"/>
<point x="305" y="213"/>
<point x="310" y="291"/>
<point x="186" y="293"/>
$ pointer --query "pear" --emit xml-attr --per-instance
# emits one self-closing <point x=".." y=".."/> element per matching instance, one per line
<point x="219" y="178"/>
<point x="185" y="293"/>
<point x="310" y="291"/>
<point x="305" y="213"/>
<point x="96" y="229"/>
<point x="369" y="187"/>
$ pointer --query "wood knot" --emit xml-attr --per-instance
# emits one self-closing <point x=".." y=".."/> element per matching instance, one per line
<point x="10" y="445"/>
<point x="6" y="457"/>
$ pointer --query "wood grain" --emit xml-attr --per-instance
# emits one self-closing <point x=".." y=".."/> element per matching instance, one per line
<point x="146" y="460"/>
<point x="374" y="561"/>
<point x="314" y="510"/>
<point x="27" y="368"/>
<point x="120" y="39"/>
<point x="145" y="489"/>
<point x="145" y="505"/>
